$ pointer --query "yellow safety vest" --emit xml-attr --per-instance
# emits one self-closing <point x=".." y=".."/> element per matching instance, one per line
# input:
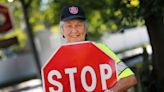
<point x="122" y="70"/>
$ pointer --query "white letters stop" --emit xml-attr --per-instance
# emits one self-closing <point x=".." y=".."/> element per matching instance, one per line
<point x="71" y="71"/>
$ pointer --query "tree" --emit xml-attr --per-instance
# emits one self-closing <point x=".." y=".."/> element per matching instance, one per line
<point x="152" y="12"/>
<point x="154" y="15"/>
<point x="26" y="9"/>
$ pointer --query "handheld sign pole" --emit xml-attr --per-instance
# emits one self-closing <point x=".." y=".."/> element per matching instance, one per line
<point x="79" y="67"/>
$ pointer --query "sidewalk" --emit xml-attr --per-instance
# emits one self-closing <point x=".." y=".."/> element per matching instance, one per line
<point x="33" y="85"/>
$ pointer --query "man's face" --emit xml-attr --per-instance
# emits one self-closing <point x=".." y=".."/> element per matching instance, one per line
<point x="74" y="30"/>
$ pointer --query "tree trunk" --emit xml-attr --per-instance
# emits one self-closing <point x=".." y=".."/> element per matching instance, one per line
<point x="31" y="37"/>
<point x="155" y="27"/>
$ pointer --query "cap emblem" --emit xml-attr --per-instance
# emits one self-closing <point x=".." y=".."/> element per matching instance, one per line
<point x="73" y="10"/>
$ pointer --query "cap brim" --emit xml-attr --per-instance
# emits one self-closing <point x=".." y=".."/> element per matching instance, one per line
<point x="74" y="17"/>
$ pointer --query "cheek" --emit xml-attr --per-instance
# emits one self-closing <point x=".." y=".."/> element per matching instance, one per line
<point x="65" y="33"/>
<point x="83" y="32"/>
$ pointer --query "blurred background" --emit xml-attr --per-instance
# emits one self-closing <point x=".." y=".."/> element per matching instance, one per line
<point x="29" y="35"/>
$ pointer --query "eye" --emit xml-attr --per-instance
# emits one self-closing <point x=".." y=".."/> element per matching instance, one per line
<point x="68" y="26"/>
<point x="79" y="25"/>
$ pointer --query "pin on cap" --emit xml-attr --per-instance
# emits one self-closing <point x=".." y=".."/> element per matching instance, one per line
<point x="72" y="12"/>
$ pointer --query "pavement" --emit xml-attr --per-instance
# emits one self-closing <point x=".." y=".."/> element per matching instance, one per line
<point x="33" y="85"/>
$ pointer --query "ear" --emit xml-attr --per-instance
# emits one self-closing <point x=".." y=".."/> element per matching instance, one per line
<point x="63" y="36"/>
<point x="86" y="37"/>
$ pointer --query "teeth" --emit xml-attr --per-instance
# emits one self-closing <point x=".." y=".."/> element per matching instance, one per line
<point x="74" y="36"/>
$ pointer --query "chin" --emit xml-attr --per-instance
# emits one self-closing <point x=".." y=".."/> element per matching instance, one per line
<point x="76" y="40"/>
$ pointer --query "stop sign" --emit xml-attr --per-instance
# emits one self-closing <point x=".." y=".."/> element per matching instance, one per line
<point x="5" y="20"/>
<point x="79" y="67"/>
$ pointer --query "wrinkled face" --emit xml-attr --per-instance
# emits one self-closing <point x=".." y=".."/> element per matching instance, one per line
<point x="74" y="30"/>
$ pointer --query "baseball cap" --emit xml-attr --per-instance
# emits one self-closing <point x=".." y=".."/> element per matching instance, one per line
<point x="72" y="12"/>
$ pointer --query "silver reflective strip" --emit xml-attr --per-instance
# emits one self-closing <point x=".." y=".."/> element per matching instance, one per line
<point x="121" y="66"/>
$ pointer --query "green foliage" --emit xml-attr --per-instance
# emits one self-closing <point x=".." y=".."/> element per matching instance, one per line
<point x="92" y="9"/>
<point x="152" y="7"/>
<point x="3" y="1"/>
<point x="21" y="36"/>
<point x="106" y="15"/>
<point x="102" y="15"/>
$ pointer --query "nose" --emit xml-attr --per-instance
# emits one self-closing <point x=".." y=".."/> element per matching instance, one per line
<point x="74" y="29"/>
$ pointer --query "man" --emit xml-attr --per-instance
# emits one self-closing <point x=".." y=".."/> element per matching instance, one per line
<point x="73" y="26"/>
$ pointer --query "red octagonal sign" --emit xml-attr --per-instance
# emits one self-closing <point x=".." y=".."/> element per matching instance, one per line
<point x="79" y="67"/>
<point x="5" y="20"/>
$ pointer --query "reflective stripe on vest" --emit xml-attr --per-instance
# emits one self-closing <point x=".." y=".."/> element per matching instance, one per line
<point x="122" y="69"/>
<point x="121" y="66"/>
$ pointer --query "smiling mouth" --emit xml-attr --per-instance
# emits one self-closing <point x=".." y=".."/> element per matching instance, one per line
<point x="75" y="36"/>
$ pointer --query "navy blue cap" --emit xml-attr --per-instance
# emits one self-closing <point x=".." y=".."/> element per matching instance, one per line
<point x="72" y="12"/>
